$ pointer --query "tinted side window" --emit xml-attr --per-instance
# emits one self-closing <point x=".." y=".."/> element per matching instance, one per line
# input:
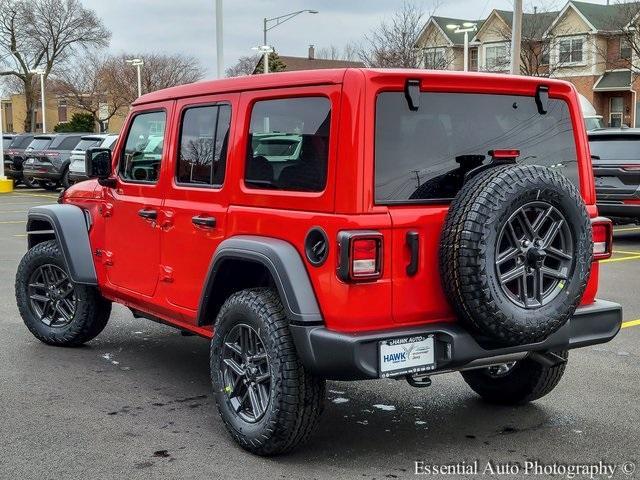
<point x="68" y="143"/>
<point x="289" y="144"/>
<point x="142" y="154"/>
<point x="203" y="145"/>
<point x="424" y="155"/>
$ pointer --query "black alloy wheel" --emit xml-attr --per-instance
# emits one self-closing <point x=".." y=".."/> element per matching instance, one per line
<point x="534" y="255"/>
<point x="246" y="373"/>
<point x="52" y="296"/>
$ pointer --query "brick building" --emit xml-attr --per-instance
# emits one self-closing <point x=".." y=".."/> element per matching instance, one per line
<point x="589" y="45"/>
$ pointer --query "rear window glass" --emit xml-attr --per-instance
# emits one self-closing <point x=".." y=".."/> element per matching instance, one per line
<point x="289" y="144"/>
<point x="88" y="143"/>
<point x="65" y="143"/>
<point x="21" y="142"/>
<point x="40" y="143"/>
<point x="615" y="148"/>
<point x="423" y="155"/>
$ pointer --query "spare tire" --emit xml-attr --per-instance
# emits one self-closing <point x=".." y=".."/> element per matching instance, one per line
<point x="516" y="253"/>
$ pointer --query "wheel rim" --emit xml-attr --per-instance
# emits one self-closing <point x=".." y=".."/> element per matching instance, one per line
<point x="246" y="373"/>
<point x="52" y="296"/>
<point x="534" y="255"/>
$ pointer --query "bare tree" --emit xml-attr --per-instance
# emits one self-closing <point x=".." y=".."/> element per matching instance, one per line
<point x="392" y="43"/>
<point x="244" y="66"/>
<point x="349" y="52"/>
<point x="86" y="87"/>
<point x="159" y="71"/>
<point x="39" y="34"/>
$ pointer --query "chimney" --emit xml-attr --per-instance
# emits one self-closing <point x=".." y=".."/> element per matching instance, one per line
<point x="312" y="52"/>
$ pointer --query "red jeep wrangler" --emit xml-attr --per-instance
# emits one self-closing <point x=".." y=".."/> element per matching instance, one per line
<point x="337" y="224"/>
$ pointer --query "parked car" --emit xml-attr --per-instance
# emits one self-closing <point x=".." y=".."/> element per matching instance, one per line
<point x="431" y="222"/>
<point x="14" y="157"/>
<point x="48" y="162"/>
<point x="616" y="166"/>
<point x="7" y="138"/>
<point x="592" y="120"/>
<point x="77" y="160"/>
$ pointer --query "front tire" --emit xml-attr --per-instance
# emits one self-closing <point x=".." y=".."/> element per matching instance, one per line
<point x="54" y="309"/>
<point x="267" y="400"/>
<point x="515" y="384"/>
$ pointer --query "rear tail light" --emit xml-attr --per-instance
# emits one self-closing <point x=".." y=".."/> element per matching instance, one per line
<point x="360" y="256"/>
<point x="602" y="238"/>
<point x="631" y="202"/>
<point x="504" y="154"/>
<point x="52" y="154"/>
<point x="631" y="168"/>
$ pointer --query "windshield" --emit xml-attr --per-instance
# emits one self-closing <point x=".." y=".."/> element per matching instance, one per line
<point x="88" y="143"/>
<point x="425" y="154"/>
<point x="593" y="123"/>
<point x="40" y="143"/>
<point x="616" y="148"/>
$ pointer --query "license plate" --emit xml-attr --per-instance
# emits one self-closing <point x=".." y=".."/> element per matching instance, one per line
<point x="407" y="355"/>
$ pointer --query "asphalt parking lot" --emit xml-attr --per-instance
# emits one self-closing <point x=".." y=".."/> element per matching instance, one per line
<point x="136" y="401"/>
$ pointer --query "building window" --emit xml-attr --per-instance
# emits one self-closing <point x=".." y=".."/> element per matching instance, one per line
<point x="62" y="110"/>
<point x="570" y="50"/>
<point x="496" y="56"/>
<point x="435" y="58"/>
<point x="625" y="48"/>
<point x="473" y="59"/>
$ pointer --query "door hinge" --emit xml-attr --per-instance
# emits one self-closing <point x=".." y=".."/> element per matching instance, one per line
<point x="106" y="210"/>
<point x="166" y="274"/>
<point x="107" y="257"/>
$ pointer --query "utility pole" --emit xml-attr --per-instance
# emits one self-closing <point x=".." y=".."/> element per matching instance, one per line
<point x="219" y="39"/>
<point x="41" y="72"/>
<point x="138" y="63"/>
<point x="516" y="37"/>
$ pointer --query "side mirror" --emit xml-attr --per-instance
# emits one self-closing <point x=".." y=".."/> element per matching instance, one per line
<point x="98" y="163"/>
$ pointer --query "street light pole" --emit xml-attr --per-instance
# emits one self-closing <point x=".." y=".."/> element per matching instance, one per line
<point x="516" y="37"/>
<point x="43" y="103"/>
<point x="2" y="177"/>
<point x="465" y="28"/>
<point x="219" y="39"/>
<point x="265" y="28"/>
<point x="138" y="63"/>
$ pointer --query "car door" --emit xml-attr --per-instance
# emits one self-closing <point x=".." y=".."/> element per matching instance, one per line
<point x="132" y="233"/>
<point x="195" y="206"/>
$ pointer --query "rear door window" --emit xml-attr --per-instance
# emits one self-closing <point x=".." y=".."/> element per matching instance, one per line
<point x="65" y="143"/>
<point x="21" y="142"/>
<point x="88" y="143"/>
<point x="40" y="143"/>
<point x="423" y="155"/>
<point x="142" y="154"/>
<point x="289" y="144"/>
<point x="204" y="139"/>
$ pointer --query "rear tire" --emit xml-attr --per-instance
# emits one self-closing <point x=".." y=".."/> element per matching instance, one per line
<point x="54" y="309"/>
<point x="29" y="182"/>
<point x="65" y="180"/>
<point x="49" y="186"/>
<point x="290" y="401"/>
<point x="524" y="382"/>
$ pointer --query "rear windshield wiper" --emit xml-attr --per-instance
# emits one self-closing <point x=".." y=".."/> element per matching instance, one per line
<point x="595" y="157"/>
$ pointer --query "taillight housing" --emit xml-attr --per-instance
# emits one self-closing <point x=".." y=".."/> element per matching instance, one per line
<point x="360" y="255"/>
<point x="602" y="238"/>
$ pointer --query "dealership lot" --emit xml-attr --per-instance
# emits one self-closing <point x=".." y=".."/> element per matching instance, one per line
<point x="136" y="402"/>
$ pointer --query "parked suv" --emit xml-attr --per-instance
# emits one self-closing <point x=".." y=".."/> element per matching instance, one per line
<point x="429" y="222"/>
<point x="14" y="158"/>
<point x="615" y="155"/>
<point x="77" y="160"/>
<point x="48" y="162"/>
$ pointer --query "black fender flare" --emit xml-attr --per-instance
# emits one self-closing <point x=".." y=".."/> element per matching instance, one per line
<point x="70" y="227"/>
<point x="286" y="267"/>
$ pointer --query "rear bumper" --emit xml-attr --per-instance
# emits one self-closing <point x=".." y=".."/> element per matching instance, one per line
<point x="344" y="356"/>
<point x="42" y="171"/>
<point x="618" y="209"/>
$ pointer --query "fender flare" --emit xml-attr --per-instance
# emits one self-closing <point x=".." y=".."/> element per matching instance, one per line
<point x="284" y="264"/>
<point x="71" y="229"/>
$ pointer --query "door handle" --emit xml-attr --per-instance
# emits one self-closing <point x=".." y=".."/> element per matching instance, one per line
<point x="413" y="242"/>
<point x="208" y="222"/>
<point x="148" y="214"/>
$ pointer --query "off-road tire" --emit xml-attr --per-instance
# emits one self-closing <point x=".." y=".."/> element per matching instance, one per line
<point x="92" y="310"/>
<point x="468" y="244"/>
<point x="527" y="381"/>
<point x="297" y="397"/>
<point x="64" y="182"/>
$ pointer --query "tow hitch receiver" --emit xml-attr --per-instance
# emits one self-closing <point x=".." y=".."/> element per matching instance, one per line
<point x="419" y="380"/>
<point x="547" y="359"/>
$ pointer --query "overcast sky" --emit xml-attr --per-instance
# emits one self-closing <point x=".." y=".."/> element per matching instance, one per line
<point x="188" y="26"/>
